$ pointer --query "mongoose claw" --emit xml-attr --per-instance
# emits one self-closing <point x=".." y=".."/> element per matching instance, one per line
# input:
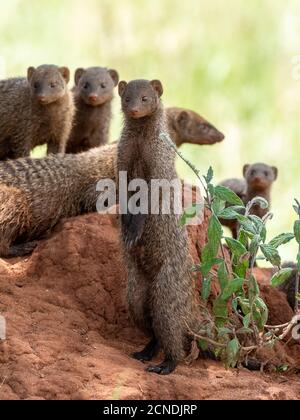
<point x="164" y="368"/>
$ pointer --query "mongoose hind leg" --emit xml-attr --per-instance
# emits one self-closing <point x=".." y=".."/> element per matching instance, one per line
<point x="148" y="352"/>
<point x="21" y="250"/>
<point x="138" y="298"/>
<point x="164" y="368"/>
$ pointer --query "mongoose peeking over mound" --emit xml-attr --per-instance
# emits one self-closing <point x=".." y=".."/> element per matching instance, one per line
<point x="258" y="180"/>
<point x="35" y="111"/>
<point x="36" y="193"/>
<point x="160" y="288"/>
<point x="186" y="126"/>
<point x="93" y="93"/>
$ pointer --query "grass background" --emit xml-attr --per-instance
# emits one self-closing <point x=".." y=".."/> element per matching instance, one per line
<point x="235" y="62"/>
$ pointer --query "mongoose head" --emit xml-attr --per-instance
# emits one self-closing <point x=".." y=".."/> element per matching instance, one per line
<point x="260" y="176"/>
<point x="140" y="98"/>
<point x="48" y="83"/>
<point x="95" y="85"/>
<point x="192" y="128"/>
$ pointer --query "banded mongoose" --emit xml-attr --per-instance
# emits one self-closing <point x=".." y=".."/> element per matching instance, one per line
<point x="258" y="181"/>
<point x="186" y="126"/>
<point x="35" y="110"/>
<point x="155" y="246"/>
<point x="36" y="193"/>
<point x="93" y="94"/>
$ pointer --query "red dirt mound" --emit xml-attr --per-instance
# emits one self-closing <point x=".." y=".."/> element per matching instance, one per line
<point x="69" y="334"/>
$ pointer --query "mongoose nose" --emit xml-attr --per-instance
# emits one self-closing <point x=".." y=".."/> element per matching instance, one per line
<point x="93" y="97"/>
<point x="134" y="112"/>
<point x="41" y="98"/>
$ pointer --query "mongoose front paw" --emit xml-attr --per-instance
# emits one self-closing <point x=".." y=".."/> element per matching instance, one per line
<point x="164" y="368"/>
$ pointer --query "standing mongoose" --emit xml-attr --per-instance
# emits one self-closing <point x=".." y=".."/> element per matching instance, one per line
<point x="36" y="193"/>
<point x="35" y="110"/>
<point x="186" y="126"/>
<point x="93" y="94"/>
<point x="155" y="246"/>
<point x="258" y="180"/>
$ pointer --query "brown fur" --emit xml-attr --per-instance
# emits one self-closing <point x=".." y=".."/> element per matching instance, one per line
<point x="160" y="288"/>
<point x="36" y="193"/>
<point x="186" y="126"/>
<point x="258" y="180"/>
<point x="93" y="93"/>
<point x="35" y="111"/>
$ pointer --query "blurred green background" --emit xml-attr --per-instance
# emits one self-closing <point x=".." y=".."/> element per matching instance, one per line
<point x="234" y="62"/>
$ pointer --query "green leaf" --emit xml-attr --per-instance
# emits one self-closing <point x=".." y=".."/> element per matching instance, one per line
<point x="222" y="276"/>
<point x="218" y="206"/>
<point x="260" y="313"/>
<point x="298" y="262"/>
<point x="254" y="244"/>
<point x="232" y="287"/>
<point x="206" y="287"/>
<point x="228" y="195"/>
<point x="297" y="230"/>
<point x="228" y="214"/>
<point x="211" y="190"/>
<point x="224" y="331"/>
<point x="257" y="222"/>
<point x="189" y="213"/>
<point x="235" y="247"/>
<point x="232" y="352"/>
<point x="215" y="233"/>
<point x="281" y="239"/>
<point x="246" y="320"/>
<point x="253" y="289"/>
<point x="271" y="254"/>
<point x="261" y="202"/>
<point x="208" y="265"/>
<point x="244" y="330"/>
<point x="281" y="276"/>
<point x="210" y="174"/>
<point x="243" y="237"/>
<point x="220" y="311"/>
<point x="246" y="223"/>
<point x="203" y="345"/>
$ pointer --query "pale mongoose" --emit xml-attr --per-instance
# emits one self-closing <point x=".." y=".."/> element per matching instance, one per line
<point x="160" y="288"/>
<point x="93" y="94"/>
<point x="258" y="180"/>
<point x="35" y="110"/>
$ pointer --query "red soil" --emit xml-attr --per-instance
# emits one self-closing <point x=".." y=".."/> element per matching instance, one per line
<point x="69" y="334"/>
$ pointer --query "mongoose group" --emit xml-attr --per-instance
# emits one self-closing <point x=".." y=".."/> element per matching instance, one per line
<point x="74" y="124"/>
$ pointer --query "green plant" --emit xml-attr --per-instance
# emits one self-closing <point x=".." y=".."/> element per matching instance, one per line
<point x="239" y="315"/>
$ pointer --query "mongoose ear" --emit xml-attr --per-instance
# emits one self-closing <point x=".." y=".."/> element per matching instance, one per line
<point x="65" y="72"/>
<point x="275" y="172"/>
<point x="78" y="75"/>
<point x="182" y="119"/>
<point x="114" y="75"/>
<point x="30" y="72"/>
<point x="122" y="87"/>
<point x="156" y="84"/>
<point x="245" y="169"/>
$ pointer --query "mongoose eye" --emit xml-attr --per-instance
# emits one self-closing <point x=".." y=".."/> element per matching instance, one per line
<point x="253" y="172"/>
<point x="36" y="85"/>
<point x="145" y="98"/>
<point x="127" y="99"/>
<point x="53" y="85"/>
<point x="86" y="85"/>
<point x="266" y="174"/>
<point x="103" y="85"/>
